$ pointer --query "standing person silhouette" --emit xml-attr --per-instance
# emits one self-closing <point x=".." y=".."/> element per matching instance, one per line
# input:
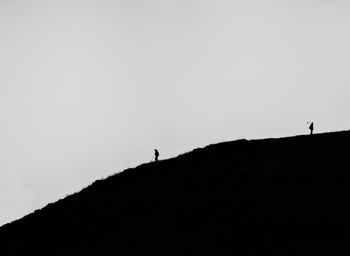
<point x="311" y="127"/>
<point x="156" y="154"/>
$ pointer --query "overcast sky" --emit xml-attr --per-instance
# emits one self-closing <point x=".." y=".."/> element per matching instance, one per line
<point x="89" y="88"/>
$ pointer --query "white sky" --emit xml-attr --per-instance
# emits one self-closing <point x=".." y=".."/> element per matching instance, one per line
<point x="89" y="88"/>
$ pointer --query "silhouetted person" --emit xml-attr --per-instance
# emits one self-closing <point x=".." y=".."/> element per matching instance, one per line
<point x="311" y="127"/>
<point x="156" y="155"/>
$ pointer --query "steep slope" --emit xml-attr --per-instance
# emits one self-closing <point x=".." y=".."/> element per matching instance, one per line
<point x="262" y="197"/>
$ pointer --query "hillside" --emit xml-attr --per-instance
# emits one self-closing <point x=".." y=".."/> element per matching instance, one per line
<point x="261" y="197"/>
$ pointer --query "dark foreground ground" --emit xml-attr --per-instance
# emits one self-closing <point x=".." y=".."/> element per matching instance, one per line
<point x="264" y="197"/>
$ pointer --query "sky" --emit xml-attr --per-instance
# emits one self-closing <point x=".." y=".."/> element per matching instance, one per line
<point x="90" y="88"/>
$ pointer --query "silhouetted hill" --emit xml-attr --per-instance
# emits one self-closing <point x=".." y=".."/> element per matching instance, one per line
<point x="261" y="197"/>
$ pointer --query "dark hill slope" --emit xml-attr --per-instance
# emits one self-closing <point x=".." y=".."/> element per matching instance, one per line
<point x="262" y="197"/>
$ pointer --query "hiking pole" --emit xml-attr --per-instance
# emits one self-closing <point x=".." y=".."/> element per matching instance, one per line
<point x="152" y="158"/>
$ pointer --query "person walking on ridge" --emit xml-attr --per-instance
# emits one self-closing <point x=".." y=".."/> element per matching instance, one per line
<point x="156" y="155"/>
<point x="311" y="127"/>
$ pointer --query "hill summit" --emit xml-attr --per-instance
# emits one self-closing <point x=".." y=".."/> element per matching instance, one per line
<point x="259" y="197"/>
